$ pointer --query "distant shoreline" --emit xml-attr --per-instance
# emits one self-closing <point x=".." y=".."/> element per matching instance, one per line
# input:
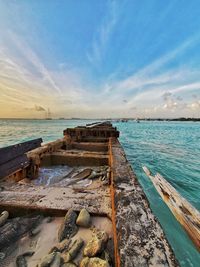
<point x="112" y="119"/>
<point x="175" y="119"/>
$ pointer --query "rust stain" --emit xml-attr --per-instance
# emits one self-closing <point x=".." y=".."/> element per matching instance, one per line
<point x="112" y="193"/>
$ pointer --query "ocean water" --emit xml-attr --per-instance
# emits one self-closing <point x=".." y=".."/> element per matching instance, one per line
<point x="173" y="150"/>
<point x="170" y="148"/>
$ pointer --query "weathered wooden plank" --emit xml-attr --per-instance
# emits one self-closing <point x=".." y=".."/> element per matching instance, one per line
<point x="13" y="158"/>
<point x="11" y="166"/>
<point x="184" y="212"/>
<point x="10" y="152"/>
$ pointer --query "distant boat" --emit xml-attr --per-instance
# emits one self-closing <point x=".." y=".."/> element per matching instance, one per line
<point x="137" y="120"/>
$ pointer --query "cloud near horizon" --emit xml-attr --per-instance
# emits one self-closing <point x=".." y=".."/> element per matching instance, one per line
<point x="108" y="59"/>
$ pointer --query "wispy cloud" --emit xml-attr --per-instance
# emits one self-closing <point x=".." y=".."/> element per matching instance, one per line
<point x="153" y="73"/>
<point x="24" y="81"/>
<point x="101" y="37"/>
<point x="32" y="57"/>
<point x="147" y="86"/>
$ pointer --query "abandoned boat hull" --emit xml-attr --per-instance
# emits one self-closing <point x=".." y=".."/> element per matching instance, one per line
<point x="138" y="237"/>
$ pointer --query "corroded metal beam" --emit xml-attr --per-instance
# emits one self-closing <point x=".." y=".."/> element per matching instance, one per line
<point x="99" y="130"/>
<point x="138" y="237"/>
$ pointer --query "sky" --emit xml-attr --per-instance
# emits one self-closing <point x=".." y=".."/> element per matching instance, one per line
<point x="99" y="59"/>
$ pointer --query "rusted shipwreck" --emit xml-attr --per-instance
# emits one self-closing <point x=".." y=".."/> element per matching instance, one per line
<point x="84" y="173"/>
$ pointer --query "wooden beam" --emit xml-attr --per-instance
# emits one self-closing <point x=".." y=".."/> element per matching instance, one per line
<point x="184" y="212"/>
<point x="10" y="152"/>
<point x="13" y="165"/>
<point x="13" y="158"/>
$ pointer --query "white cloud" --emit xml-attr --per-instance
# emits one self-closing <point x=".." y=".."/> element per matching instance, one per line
<point x="103" y="34"/>
<point x="32" y="57"/>
<point x="194" y="105"/>
<point x="26" y="82"/>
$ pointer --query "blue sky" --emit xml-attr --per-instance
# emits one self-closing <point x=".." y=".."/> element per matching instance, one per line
<point x="125" y="58"/>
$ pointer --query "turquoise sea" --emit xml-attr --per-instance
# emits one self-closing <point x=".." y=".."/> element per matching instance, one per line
<point x="170" y="148"/>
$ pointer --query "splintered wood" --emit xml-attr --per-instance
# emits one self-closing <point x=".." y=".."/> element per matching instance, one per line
<point x="185" y="213"/>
